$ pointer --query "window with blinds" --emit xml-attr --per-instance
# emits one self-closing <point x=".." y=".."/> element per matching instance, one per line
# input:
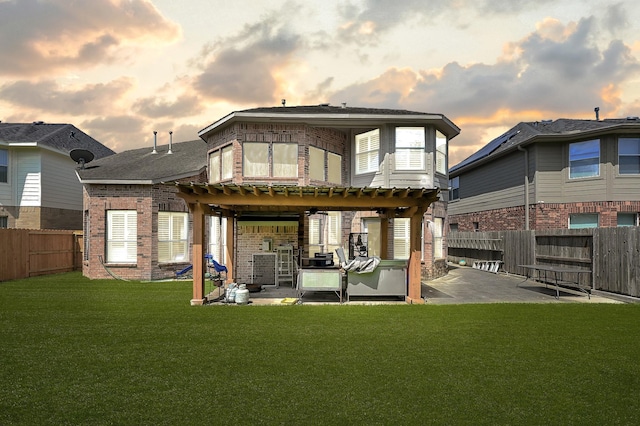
<point x="172" y="237"/>
<point x="441" y="153"/>
<point x="334" y="168"/>
<point x="438" y="250"/>
<point x="367" y="151"/>
<point x="122" y="233"/>
<point x="410" y="143"/>
<point x="401" y="227"/>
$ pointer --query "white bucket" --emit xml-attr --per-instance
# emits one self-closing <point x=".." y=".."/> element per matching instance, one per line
<point x="242" y="295"/>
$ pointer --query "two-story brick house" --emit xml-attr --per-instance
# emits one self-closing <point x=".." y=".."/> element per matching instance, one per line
<point x="552" y="174"/>
<point x="306" y="177"/>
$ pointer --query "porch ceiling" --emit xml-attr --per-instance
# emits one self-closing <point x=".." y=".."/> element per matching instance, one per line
<point x="232" y="199"/>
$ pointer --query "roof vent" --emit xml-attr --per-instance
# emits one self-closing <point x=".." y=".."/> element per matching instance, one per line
<point x="324" y="105"/>
<point x="170" y="142"/>
<point x="155" y="142"/>
<point x="284" y="102"/>
<point x="344" y="105"/>
<point x="633" y="118"/>
<point x="38" y="122"/>
<point x="597" y="111"/>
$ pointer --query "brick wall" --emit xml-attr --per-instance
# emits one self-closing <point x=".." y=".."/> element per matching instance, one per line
<point x="543" y="216"/>
<point x="146" y="200"/>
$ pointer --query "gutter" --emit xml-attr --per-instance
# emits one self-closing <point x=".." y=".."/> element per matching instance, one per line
<point x="526" y="187"/>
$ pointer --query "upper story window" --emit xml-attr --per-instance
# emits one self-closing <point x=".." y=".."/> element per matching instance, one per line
<point x="172" y="237"/>
<point x="410" y="143"/>
<point x="367" y="151"/>
<point x="260" y="159"/>
<point x="221" y="164"/>
<point x="321" y="162"/>
<point x="4" y="166"/>
<point x="454" y="188"/>
<point x="441" y="153"/>
<point x="122" y="236"/>
<point x="584" y="159"/>
<point x="629" y="156"/>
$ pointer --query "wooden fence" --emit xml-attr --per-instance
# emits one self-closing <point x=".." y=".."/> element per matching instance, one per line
<point x="611" y="254"/>
<point x="31" y="252"/>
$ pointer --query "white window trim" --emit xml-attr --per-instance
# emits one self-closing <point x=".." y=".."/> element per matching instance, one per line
<point x="367" y="149"/>
<point x="410" y="148"/>
<point x="174" y="241"/>
<point x="122" y="244"/>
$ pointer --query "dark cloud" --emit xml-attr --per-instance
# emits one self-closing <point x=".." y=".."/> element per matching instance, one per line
<point x="42" y="37"/>
<point x="388" y="90"/>
<point x="50" y="96"/>
<point x="615" y="18"/>
<point x="243" y="69"/>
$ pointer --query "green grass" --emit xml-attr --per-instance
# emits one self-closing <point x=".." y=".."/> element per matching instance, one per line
<point x="75" y="351"/>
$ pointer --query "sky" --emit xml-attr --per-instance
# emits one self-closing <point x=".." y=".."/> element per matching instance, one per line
<point x="120" y="69"/>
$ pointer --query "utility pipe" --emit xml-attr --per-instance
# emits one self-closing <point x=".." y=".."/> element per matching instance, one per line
<point x="526" y="187"/>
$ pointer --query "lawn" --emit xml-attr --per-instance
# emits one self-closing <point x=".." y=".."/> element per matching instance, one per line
<point x="75" y="351"/>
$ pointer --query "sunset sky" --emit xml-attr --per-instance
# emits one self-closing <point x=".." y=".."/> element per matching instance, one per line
<point x="120" y="69"/>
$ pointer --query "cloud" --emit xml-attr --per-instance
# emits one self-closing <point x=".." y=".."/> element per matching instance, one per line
<point x="49" y="96"/>
<point x="389" y="90"/>
<point x="41" y="37"/>
<point x="153" y="107"/>
<point x="245" y="69"/>
<point x="556" y="71"/>
<point x="366" y="24"/>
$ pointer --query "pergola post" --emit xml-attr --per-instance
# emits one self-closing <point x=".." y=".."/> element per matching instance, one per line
<point x="414" y="269"/>
<point x="198" y="254"/>
<point x="384" y="237"/>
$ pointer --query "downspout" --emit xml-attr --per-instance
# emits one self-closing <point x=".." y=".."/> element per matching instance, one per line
<point x="526" y="187"/>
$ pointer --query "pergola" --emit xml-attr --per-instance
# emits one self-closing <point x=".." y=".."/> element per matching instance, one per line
<point x="233" y="200"/>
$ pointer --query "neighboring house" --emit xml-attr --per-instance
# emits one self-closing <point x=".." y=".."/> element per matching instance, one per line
<point x="550" y="174"/>
<point x="38" y="184"/>
<point x="312" y="178"/>
<point x="136" y="227"/>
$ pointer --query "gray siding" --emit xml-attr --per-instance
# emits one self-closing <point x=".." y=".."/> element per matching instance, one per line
<point x="547" y="162"/>
<point x="497" y="185"/>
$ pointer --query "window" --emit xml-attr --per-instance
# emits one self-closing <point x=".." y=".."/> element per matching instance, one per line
<point x="214" y="166"/>
<point x="261" y="159"/>
<point x="334" y="168"/>
<point x="401" y="238"/>
<point x="325" y="232"/>
<point x="85" y="235"/>
<point x="628" y="219"/>
<point x="367" y="146"/>
<point x="317" y="165"/>
<point x="454" y="188"/>
<point x="255" y="159"/>
<point x="372" y="228"/>
<point x="409" y="148"/>
<point x="4" y="166"/>
<point x="629" y="156"/>
<point x="218" y="239"/>
<point x="441" y="153"/>
<point x="285" y="160"/>
<point x="584" y="220"/>
<point x="172" y="237"/>
<point x="584" y="159"/>
<point x="4" y="222"/>
<point x="122" y="235"/>
<point x="221" y="164"/>
<point x="453" y="227"/>
<point x="438" y="251"/>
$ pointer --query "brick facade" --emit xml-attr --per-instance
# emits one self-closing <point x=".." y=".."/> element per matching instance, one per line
<point x="543" y="216"/>
<point x="42" y="218"/>
<point x="146" y="200"/>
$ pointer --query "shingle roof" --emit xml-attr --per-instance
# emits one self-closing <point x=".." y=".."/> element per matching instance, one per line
<point x="60" y="137"/>
<point x="334" y="116"/>
<point x="540" y="131"/>
<point x="142" y="166"/>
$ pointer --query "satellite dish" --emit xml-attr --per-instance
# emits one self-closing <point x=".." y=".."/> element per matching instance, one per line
<point x="81" y="156"/>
